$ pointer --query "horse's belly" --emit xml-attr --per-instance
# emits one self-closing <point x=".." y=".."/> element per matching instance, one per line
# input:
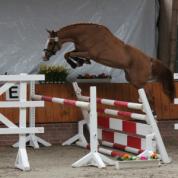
<point x="114" y="63"/>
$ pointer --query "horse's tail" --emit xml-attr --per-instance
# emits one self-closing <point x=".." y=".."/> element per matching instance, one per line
<point x="164" y="75"/>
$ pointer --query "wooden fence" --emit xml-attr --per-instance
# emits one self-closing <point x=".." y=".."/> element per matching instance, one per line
<point x="53" y="112"/>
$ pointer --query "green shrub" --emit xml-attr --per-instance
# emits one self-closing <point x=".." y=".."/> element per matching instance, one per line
<point x="54" y="73"/>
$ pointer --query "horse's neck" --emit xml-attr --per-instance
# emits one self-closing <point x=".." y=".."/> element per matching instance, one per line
<point x="67" y="34"/>
<point x="72" y="32"/>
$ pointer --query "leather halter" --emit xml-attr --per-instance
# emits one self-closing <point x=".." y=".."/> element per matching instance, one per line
<point x="56" y="39"/>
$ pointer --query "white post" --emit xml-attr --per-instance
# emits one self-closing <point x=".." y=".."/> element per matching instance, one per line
<point x="22" y="158"/>
<point x="160" y="144"/>
<point x="94" y="157"/>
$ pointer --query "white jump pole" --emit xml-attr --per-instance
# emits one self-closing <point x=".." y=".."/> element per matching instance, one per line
<point x="93" y="157"/>
<point x="160" y="144"/>
<point x="22" y="158"/>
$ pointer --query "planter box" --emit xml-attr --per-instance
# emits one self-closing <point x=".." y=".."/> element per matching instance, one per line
<point x="137" y="164"/>
<point x="105" y="80"/>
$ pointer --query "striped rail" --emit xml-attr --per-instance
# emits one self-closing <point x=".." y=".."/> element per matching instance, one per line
<point x="130" y="105"/>
<point x="105" y="151"/>
<point x="63" y="101"/>
<point x="123" y="113"/>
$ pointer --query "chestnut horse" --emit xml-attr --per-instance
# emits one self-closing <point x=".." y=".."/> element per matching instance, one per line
<point x="96" y="42"/>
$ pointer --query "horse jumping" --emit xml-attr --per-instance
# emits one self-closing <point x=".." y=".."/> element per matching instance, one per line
<point x="96" y="42"/>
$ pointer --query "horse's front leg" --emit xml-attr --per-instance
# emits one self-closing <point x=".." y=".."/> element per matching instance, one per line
<point x="70" y="61"/>
<point x="79" y="57"/>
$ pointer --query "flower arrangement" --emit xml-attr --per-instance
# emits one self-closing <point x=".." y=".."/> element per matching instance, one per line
<point x="152" y="156"/>
<point x="54" y="73"/>
<point x="89" y="76"/>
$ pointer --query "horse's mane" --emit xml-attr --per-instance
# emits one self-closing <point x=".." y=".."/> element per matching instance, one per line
<point x="73" y="26"/>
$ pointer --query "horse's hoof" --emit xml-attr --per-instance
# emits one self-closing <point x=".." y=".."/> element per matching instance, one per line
<point x="73" y="66"/>
<point x="87" y="61"/>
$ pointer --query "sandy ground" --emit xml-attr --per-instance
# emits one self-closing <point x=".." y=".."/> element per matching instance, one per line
<point x="55" y="162"/>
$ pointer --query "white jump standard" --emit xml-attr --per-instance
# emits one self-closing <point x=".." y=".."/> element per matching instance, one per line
<point x="22" y="79"/>
<point x="94" y="157"/>
<point x="32" y="139"/>
<point x="139" y="145"/>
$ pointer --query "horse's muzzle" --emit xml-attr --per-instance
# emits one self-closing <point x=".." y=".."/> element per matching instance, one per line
<point x="45" y="58"/>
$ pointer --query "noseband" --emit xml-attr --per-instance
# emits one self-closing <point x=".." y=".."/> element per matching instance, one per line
<point x="49" y="51"/>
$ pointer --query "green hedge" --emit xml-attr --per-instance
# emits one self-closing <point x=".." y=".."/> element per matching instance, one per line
<point x="54" y="73"/>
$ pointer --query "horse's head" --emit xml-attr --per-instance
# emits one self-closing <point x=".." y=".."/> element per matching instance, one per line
<point x="52" y="45"/>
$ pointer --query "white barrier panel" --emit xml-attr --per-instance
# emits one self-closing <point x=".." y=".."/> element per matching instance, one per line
<point x="21" y="78"/>
<point x="22" y="161"/>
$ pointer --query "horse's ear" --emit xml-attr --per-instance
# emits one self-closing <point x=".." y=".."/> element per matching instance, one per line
<point x="53" y="33"/>
<point x="48" y="31"/>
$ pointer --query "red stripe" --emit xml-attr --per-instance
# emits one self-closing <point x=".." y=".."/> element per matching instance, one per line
<point x="124" y="113"/>
<point x="70" y="102"/>
<point x="98" y="100"/>
<point x="134" y="142"/>
<point x="88" y="146"/>
<point x="140" y="151"/>
<point x="117" y="154"/>
<point x="100" y="110"/>
<point x="118" y="146"/>
<point x="120" y="103"/>
<point x="129" y="127"/>
<point x="103" y="122"/>
<point x="47" y="98"/>
<point x="108" y="136"/>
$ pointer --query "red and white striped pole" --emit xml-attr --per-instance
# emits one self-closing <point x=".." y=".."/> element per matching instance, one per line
<point x="123" y="113"/>
<point x="102" y="150"/>
<point x="80" y="104"/>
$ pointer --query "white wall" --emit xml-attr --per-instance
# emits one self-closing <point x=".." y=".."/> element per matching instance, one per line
<point x="23" y="24"/>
